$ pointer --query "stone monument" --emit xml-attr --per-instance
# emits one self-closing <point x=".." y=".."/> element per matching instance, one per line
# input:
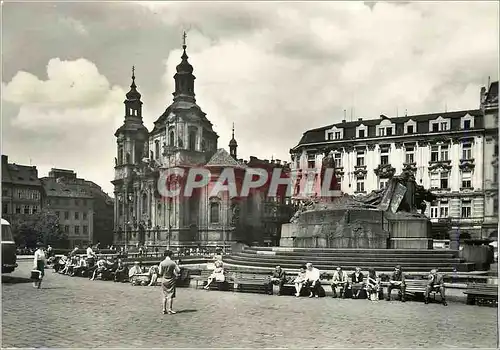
<point x="388" y="218"/>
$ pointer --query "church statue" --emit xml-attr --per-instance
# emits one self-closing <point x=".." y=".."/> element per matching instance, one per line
<point x="235" y="207"/>
<point x="116" y="161"/>
<point x="127" y="158"/>
<point x="180" y="143"/>
<point x="203" y="145"/>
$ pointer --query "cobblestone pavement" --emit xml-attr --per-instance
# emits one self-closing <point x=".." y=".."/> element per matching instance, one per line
<point x="77" y="312"/>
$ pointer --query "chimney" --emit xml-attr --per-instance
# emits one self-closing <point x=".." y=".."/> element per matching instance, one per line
<point x="360" y="119"/>
<point x="343" y="120"/>
<point x="482" y="97"/>
<point x="278" y="161"/>
<point x="272" y="161"/>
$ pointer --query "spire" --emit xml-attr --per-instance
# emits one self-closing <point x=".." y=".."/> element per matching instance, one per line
<point x="133" y="94"/>
<point x="184" y="78"/>
<point x="233" y="145"/>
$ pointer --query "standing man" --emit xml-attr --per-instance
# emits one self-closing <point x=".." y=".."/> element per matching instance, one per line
<point x="312" y="280"/>
<point x="169" y="272"/>
<point x="278" y="278"/>
<point x="397" y="282"/>
<point x="436" y="282"/>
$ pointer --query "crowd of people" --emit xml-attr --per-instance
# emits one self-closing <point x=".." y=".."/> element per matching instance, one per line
<point x="356" y="286"/>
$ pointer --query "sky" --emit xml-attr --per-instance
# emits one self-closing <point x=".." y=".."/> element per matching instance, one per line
<point x="273" y="69"/>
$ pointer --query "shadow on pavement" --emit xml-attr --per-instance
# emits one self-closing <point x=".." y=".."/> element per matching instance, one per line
<point x="14" y="280"/>
<point x="186" y="311"/>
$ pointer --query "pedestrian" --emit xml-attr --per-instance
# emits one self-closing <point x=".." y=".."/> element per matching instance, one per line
<point x="39" y="264"/>
<point x="169" y="272"/>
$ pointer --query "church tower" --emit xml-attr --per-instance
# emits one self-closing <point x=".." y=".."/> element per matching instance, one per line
<point x="131" y="138"/>
<point x="233" y="146"/>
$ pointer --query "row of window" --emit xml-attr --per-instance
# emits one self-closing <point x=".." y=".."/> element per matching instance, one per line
<point x="410" y="128"/>
<point x="67" y="201"/>
<point x="76" y="229"/>
<point x="76" y="215"/>
<point x="21" y="209"/>
<point x="439" y="153"/>
<point x="440" y="209"/>
<point x="23" y="194"/>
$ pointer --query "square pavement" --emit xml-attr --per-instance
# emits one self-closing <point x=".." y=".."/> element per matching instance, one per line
<point x="77" y="312"/>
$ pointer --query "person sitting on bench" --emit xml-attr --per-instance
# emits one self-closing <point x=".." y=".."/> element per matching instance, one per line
<point x="277" y="278"/>
<point x="340" y="280"/>
<point x="100" y="269"/>
<point x="357" y="283"/>
<point x="436" y="283"/>
<point x="312" y="280"/>
<point x="120" y="272"/>
<point x="372" y="285"/>
<point x="300" y="280"/>
<point x="67" y="264"/>
<point x="397" y="281"/>
<point x="153" y="275"/>
<point x="135" y="270"/>
<point x="217" y="275"/>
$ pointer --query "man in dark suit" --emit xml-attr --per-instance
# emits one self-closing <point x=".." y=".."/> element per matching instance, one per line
<point x="436" y="282"/>
<point x="277" y="278"/>
<point x="397" y="281"/>
<point x="357" y="283"/>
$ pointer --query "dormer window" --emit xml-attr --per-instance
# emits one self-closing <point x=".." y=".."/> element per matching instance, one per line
<point x="334" y="134"/>
<point x="467" y="122"/>
<point x="439" y="124"/>
<point x="361" y="131"/>
<point x="410" y="127"/>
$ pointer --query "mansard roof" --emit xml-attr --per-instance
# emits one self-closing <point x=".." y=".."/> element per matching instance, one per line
<point x="222" y="158"/>
<point x="318" y="134"/>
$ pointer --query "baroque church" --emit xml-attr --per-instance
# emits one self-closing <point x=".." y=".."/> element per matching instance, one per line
<point x="183" y="137"/>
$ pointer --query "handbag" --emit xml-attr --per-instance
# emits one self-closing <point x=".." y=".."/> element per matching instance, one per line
<point x="36" y="275"/>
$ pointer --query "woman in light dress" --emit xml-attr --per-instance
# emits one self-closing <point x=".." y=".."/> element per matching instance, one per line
<point x="217" y="275"/>
<point x="372" y="285"/>
<point x="39" y="261"/>
<point x="300" y="280"/>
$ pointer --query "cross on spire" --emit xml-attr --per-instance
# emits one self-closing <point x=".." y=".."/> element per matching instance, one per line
<point x="184" y="36"/>
<point x="133" y="72"/>
<point x="233" y="130"/>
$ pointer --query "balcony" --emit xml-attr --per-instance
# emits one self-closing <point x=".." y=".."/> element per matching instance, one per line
<point x="410" y="166"/>
<point x="443" y="164"/>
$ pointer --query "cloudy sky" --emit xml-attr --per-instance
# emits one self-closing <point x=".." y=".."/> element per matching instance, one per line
<point x="274" y="69"/>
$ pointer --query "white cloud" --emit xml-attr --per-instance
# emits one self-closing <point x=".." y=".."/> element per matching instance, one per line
<point x="75" y="94"/>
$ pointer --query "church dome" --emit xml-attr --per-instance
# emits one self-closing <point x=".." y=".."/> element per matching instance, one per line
<point x="184" y="66"/>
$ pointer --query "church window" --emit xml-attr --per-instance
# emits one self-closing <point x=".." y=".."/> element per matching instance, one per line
<point x="172" y="138"/>
<point x="144" y="203"/>
<point x="192" y="140"/>
<point x="120" y="156"/>
<point x="157" y="149"/>
<point x="214" y="212"/>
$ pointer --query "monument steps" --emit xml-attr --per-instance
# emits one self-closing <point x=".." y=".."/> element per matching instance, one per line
<point x="366" y="258"/>
<point x="329" y="259"/>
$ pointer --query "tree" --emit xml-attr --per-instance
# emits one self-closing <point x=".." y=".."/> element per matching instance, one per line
<point x="41" y="227"/>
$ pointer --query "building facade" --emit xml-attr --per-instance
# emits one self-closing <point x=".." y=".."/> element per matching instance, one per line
<point x="181" y="138"/>
<point x="455" y="154"/>
<point x="22" y="191"/>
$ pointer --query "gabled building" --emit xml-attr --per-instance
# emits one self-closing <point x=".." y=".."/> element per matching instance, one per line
<point x="22" y="191"/>
<point x="455" y="154"/>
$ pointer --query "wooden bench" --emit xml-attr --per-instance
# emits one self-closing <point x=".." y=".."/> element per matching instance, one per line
<point x="248" y="282"/>
<point x="202" y="280"/>
<point x="481" y="293"/>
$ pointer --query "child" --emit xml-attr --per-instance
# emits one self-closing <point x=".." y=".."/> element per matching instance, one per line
<point x="300" y="280"/>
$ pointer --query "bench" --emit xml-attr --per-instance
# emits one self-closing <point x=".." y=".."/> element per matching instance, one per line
<point x="250" y="282"/>
<point x="481" y="293"/>
<point x="202" y="280"/>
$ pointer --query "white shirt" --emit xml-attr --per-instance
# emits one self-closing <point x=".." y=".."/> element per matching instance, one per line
<point x="39" y="255"/>
<point x="90" y="252"/>
<point x="312" y="275"/>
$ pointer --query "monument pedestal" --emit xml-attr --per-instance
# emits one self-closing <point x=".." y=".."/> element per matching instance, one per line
<point x="409" y="232"/>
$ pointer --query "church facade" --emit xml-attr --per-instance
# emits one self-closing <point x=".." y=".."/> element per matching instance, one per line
<point x="182" y="138"/>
